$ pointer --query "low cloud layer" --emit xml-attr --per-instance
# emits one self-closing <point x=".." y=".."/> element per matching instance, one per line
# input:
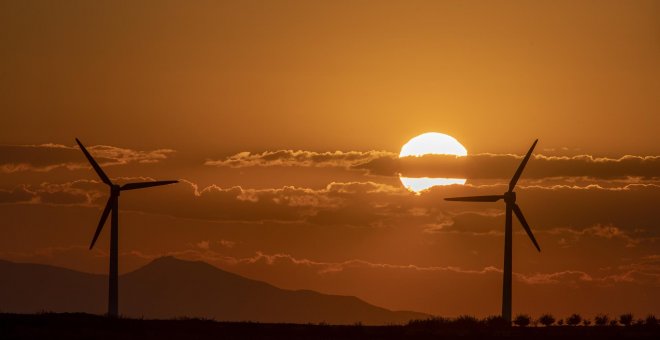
<point x="47" y="157"/>
<point x="645" y="270"/>
<point x="370" y="204"/>
<point x="486" y="166"/>
<point x="481" y="166"/>
<point x="300" y="158"/>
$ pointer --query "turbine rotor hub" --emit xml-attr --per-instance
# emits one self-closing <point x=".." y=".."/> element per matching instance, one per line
<point x="115" y="189"/>
<point x="510" y="197"/>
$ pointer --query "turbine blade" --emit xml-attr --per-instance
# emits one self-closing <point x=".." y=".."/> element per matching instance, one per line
<point x="95" y="165"/>
<point x="141" y="185"/>
<point x="104" y="217"/>
<point x="491" y="198"/>
<point x="521" y="218"/>
<point x="521" y="167"/>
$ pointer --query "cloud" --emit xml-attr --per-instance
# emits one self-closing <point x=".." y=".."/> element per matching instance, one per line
<point x="479" y="166"/>
<point x="566" y="276"/>
<point x="475" y="222"/>
<point x="79" y="192"/>
<point x="629" y="207"/>
<point x="116" y="156"/>
<point x="19" y="194"/>
<point x="48" y="157"/>
<point x="487" y="166"/>
<point x="299" y="158"/>
<point x="208" y="244"/>
<point x="592" y="211"/>
<point x="644" y="270"/>
<point x="609" y="231"/>
<point x="286" y="204"/>
<point x="322" y="267"/>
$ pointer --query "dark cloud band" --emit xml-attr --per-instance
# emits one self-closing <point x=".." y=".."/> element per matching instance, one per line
<point x="491" y="166"/>
<point x="47" y="157"/>
<point x="300" y="158"/>
<point x="481" y="166"/>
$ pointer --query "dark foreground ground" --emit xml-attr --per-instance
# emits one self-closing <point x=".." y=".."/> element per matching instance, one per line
<point x="85" y="326"/>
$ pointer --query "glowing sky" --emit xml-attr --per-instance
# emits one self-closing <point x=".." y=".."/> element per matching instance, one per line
<point x="283" y="120"/>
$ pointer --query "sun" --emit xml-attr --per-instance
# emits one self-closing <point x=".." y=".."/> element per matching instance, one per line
<point x="433" y="143"/>
<point x="427" y="144"/>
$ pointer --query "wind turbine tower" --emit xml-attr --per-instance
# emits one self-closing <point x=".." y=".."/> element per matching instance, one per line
<point x="512" y="207"/>
<point x="113" y="206"/>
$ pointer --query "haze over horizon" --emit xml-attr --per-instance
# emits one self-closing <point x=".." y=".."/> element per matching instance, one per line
<point x="284" y="120"/>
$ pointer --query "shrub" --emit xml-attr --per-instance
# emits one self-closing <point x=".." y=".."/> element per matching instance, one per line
<point x="431" y="322"/>
<point x="651" y="320"/>
<point x="466" y="321"/>
<point x="522" y="320"/>
<point x="574" y="320"/>
<point x="626" y="319"/>
<point x="496" y="321"/>
<point x="586" y="322"/>
<point x="547" y="320"/>
<point x="601" y="319"/>
<point x="613" y="322"/>
<point x="560" y="322"/>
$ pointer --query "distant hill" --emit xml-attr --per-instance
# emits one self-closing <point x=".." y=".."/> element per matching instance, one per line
<point x="169" y="288"/>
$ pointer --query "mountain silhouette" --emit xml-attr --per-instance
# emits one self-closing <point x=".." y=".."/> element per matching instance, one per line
<point x="169" y="287"/>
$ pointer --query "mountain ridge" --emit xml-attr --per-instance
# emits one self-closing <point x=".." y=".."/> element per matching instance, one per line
<point x="169" y="287"/>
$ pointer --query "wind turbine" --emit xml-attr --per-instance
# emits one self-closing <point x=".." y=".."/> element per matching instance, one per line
<point x="113" y="205"/>
<point x="511" y="206"/>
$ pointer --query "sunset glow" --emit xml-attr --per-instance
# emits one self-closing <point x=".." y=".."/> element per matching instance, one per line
<point x="310" y="149"/>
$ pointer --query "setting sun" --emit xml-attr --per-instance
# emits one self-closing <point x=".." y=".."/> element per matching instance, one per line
<point x="431" y="143"/>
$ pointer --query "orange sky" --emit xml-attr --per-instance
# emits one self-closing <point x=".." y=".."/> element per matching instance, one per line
<point x="179" y="90"/>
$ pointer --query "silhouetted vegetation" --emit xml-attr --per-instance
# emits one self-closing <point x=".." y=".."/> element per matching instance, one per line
<point x="432" y="322"/>
<point x="626" y="319"/>
<point x="574" y="320"/>
<point x="466" y="321"/>
<point x="495" y="321"/>
<point x="601" y="319"/>
<point x="522" y="320"/>
<point x="74" y="326"/>
<point x="547" y="320"/>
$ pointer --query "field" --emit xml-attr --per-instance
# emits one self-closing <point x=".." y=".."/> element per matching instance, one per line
<point x="86" y="326"/>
